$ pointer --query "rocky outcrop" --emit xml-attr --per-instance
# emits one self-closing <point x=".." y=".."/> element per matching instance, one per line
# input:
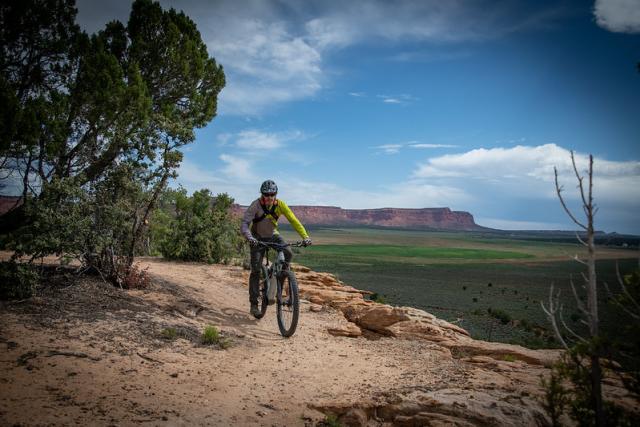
<point x="498" y="384"/>
<point x="405" y="322"/>
<point x="427" y="218"/>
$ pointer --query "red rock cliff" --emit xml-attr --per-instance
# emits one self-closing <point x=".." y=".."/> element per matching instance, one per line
<point x="434" y="218"/>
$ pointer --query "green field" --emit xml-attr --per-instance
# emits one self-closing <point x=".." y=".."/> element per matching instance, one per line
<point x="360" y="251"/>
<point x="461" y="276"/>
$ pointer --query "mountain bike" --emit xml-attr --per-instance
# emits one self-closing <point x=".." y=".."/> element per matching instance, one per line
<point x="279" y="286"/>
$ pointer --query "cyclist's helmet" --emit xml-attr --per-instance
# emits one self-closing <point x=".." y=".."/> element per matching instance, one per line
<point x="268" y="187"/>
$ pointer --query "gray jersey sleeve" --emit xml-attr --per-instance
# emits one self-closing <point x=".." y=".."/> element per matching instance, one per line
<point x="249" y="215"/>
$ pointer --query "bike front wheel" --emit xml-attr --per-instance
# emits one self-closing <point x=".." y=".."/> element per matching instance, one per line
<point x="263" y="300"/>
<point x="288" y="303"/>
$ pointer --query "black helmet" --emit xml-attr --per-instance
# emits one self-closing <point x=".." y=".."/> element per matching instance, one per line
<point x="268" y="187"/>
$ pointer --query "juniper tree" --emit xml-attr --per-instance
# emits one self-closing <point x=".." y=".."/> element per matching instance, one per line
<point x="86" y="114"/>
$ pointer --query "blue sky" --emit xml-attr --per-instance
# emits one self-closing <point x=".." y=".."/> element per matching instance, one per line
<point x="465" y="104"/>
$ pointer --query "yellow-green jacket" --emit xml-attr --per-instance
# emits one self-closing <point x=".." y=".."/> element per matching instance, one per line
<point x="262" y="221"/>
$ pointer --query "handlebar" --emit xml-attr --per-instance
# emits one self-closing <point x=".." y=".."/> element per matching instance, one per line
<point x="274" y="245"/>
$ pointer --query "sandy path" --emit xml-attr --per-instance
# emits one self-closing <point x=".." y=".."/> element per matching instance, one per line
<point x="71" y="357"/>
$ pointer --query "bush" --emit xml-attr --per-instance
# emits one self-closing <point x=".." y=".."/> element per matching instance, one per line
<point x="211" y="336"/>
<point x="501" y="315"/>
<point x="197" y="228"/>
<point x="136" y="278"/>
<point x="169" y="334"/>
<point x="375" y="297"/>
<point x="330" y="421"/>
<point x="17" y="281"/>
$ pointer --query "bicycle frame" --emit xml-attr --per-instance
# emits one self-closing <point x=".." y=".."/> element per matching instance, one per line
<point x="276" y="266"/>
<point x="275" y="281"/>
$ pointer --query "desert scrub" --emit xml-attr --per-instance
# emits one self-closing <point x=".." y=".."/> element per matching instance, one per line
<point x="331" y="421"/>
<point x="212" y="336"/>
<point x="509" y="358"/>
<point x="377" y="298"/>
<point x="501" y="315"/>
<point x="17" y="281"/>
<point x="169" y="334"/>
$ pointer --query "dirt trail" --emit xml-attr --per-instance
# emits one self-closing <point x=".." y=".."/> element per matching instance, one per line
<point x="91" y="354"/>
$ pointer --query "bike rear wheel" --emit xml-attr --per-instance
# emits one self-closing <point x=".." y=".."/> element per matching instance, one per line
<point x="288" y="303"/>
<point x="263" y="301"/>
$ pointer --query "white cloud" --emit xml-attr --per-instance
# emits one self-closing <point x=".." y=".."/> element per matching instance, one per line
<point x="390" y="148"/>
<point x="266" y="65"/>
<point x="620" y="16"/>
<point x="496" y="163"/>
<point x="257" y="141"/>
<point x="340" y="24"/>
<point x="275" y="52"/>
<point x="193" y="177"/>
<point x="224" y="138"/>
<point x="408" y="194"/>
<point x="506" y="188"/>
<point x="524" y="175"/>
<point x="521" y="162"/>
<point x="357" y="94"/>
<point x="428" y="56"/>
<point x="395" y="148"/>
<point x="238" y="168"/>
<point x="403" y="99"/>
<point x="418" y="145"/>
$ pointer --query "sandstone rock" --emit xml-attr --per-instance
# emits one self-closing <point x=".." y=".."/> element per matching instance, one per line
<point x="355" y="417"/>
<point x="316" y="308"/>
<point x="430" y="419"/>
<point x="419" y="407"/>
<point x="300" y="268"/>
<point x="375" y="317"/>
<point x="349" y="330"/>
<point x="500" y="351"/>
<point x="410" y="323"/>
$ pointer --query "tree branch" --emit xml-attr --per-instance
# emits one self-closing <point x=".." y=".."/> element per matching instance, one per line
<point x="564" y="205"/>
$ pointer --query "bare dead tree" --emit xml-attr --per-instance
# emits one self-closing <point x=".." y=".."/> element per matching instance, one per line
<point x="590" y="311"/>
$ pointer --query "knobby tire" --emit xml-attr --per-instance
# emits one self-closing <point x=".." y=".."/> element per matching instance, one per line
<point x="262" y="297"/>
<point x="288" y="303"/>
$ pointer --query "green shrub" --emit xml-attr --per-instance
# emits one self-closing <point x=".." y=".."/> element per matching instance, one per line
<point x="501" y="315"/>
<point x="555" y="397"/>
<point x="196" y="228"/>
<point x="17" y="281"/>
<point x="331" y="421"/>
<point x="375" y="297"/>
<point x="211" y="336"/>
<point x="169" y="334"/>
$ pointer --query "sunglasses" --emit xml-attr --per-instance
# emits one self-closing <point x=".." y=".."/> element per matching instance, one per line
<point x="269" y="194"/>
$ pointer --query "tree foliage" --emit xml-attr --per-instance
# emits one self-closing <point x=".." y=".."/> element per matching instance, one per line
<point x="196" y="228"/>
<point x="92" y="126"/>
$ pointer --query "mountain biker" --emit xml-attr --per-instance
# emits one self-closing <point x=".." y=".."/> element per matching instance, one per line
<point x="260" y="223"/>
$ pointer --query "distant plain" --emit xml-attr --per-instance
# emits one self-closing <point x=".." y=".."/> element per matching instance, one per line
<point x="488" y="283"/>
